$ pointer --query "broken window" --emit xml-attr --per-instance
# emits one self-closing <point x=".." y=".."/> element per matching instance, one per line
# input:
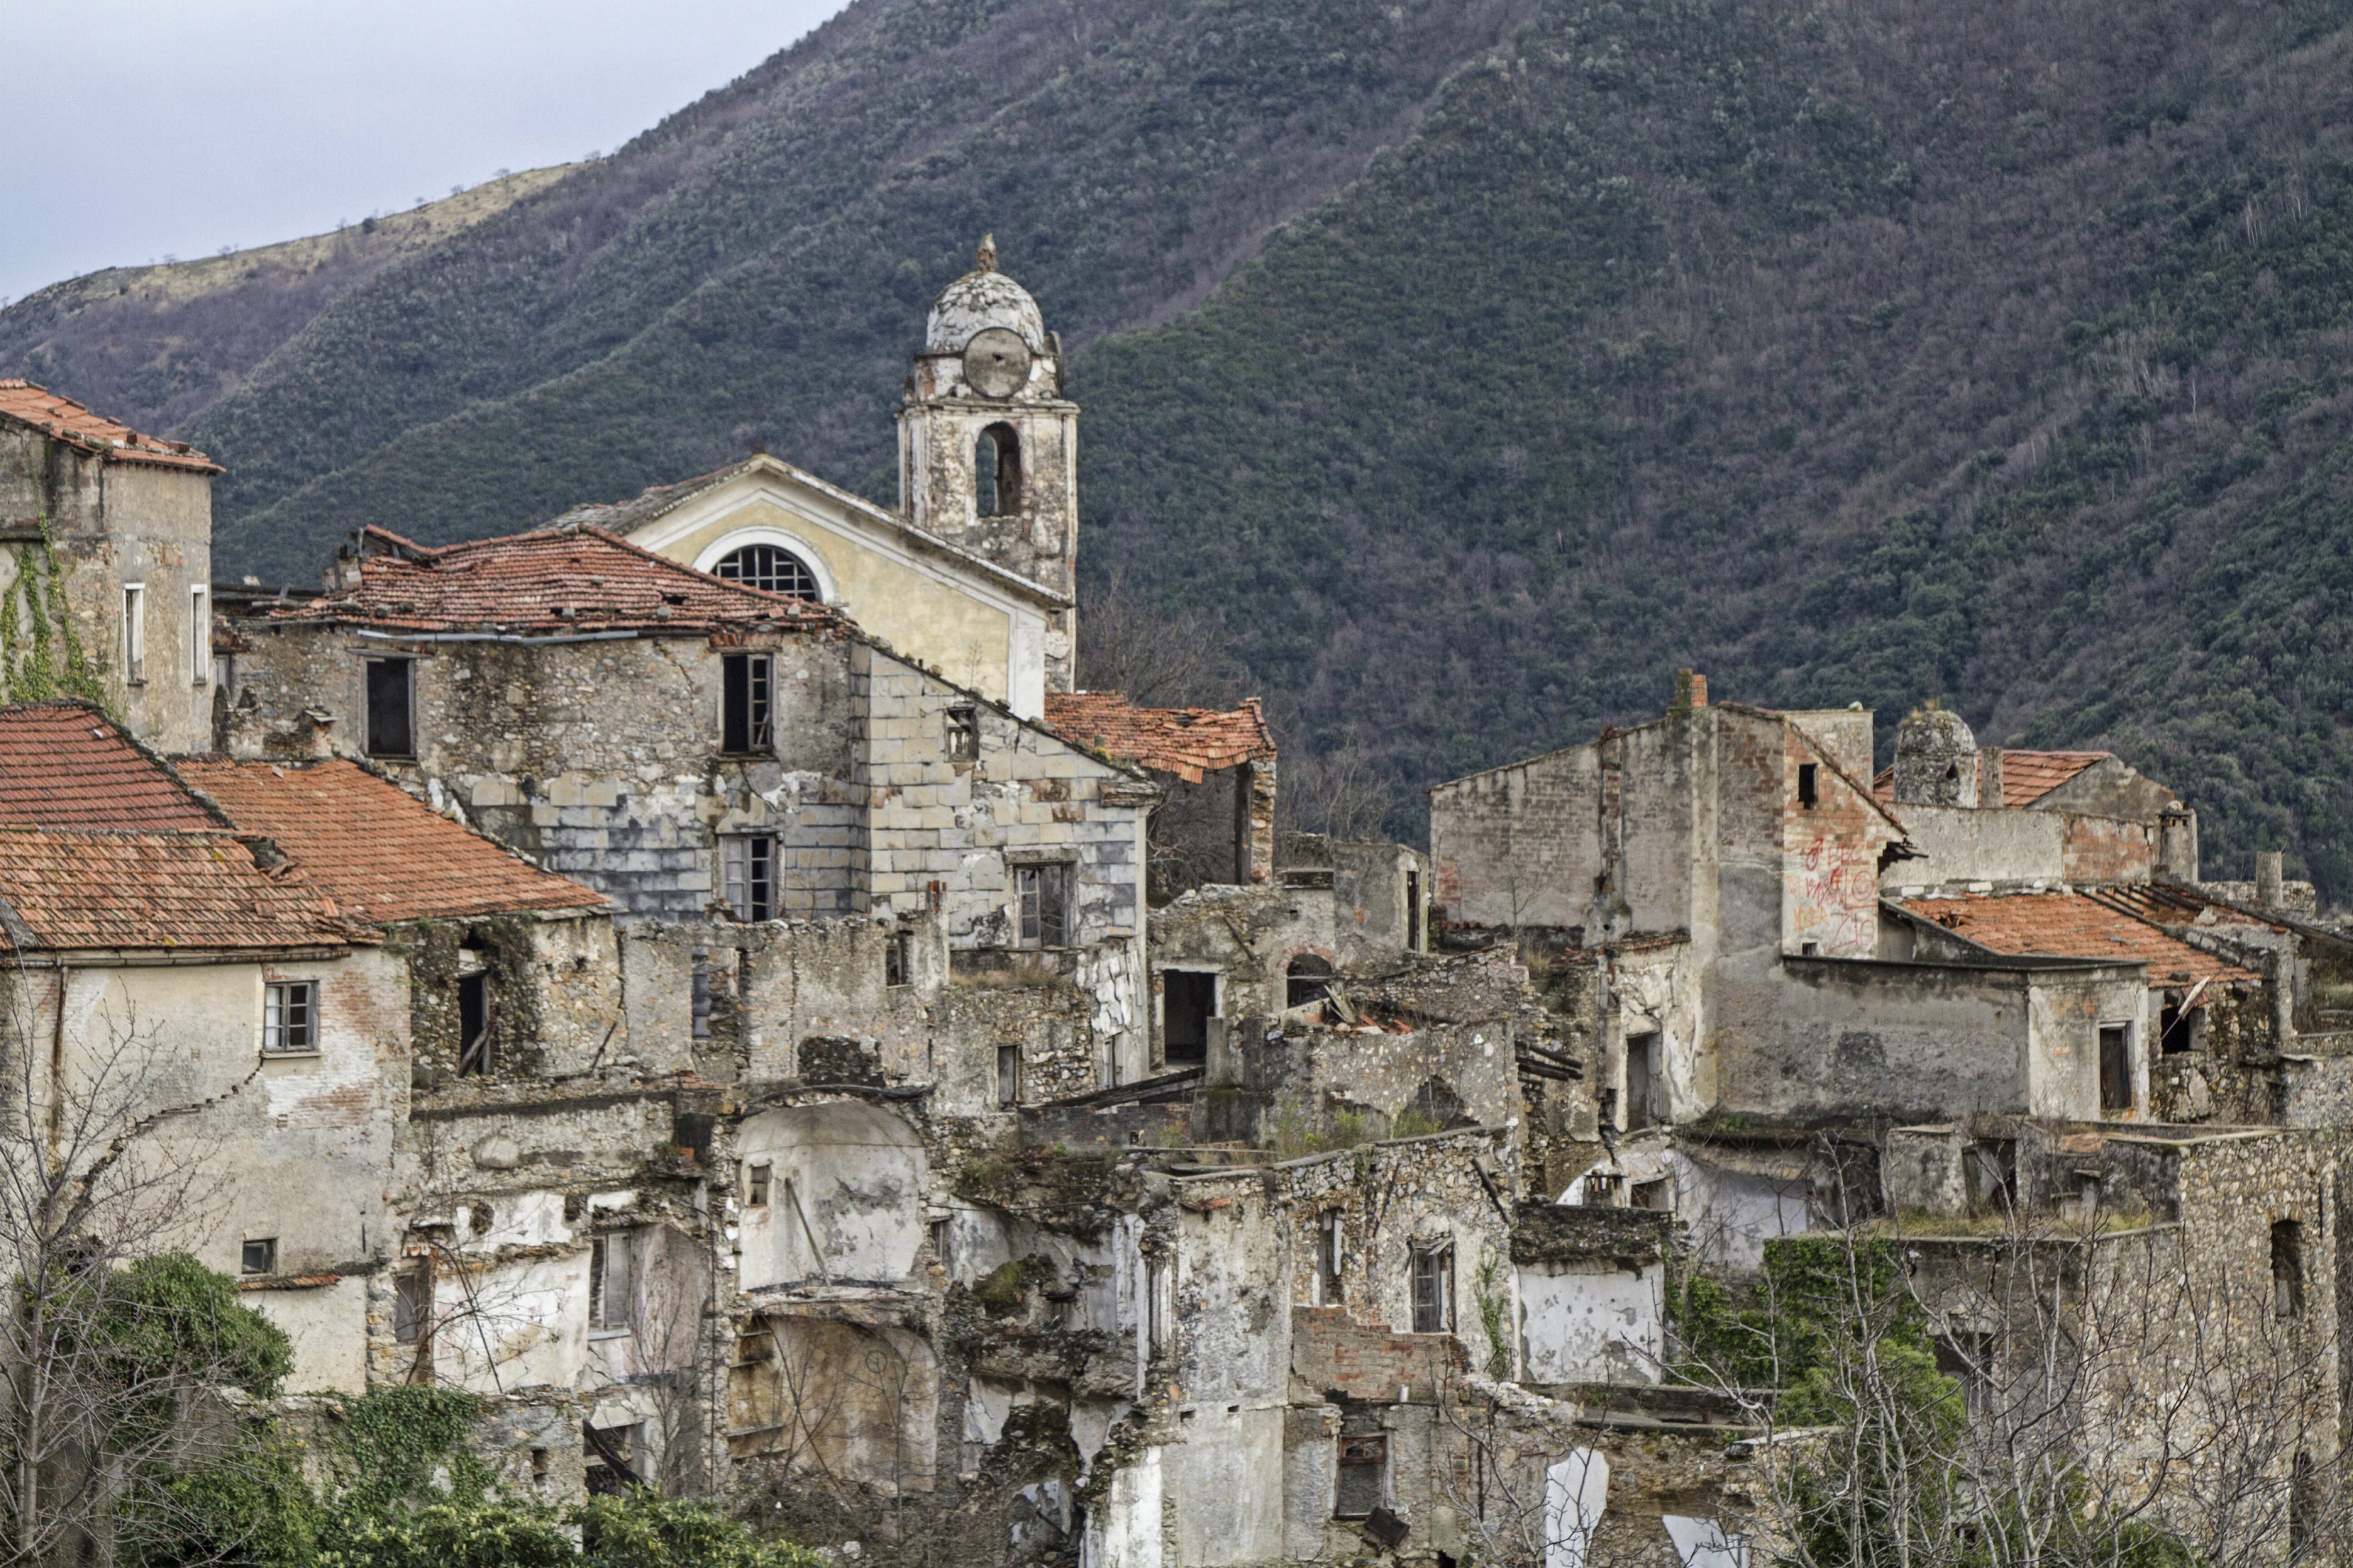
<point x="1641" y="1079"/>
<point x="748" y="863"/>
<point x="2174" y="1029"/>
<point x="2287" y="1269"/>
<point x="898" y="955"/>
<point x="1991" y="1167"/>
<point x="1044" y="895"/>
<point x="612" y="1467"/>
<point x="1413" y="910"/>
<point x="391" y="728"/>
<point x="1008" y="1077"/>
<point x="938" y="1230"/>
<point x="962" y="736"/>
<point x="290" y="1017"/>
<point x="1967" y="1360"/>
<point x="997" y="471"/>
<point x="770" y="568"/>
<point x="1657" y="1195"/>
<point x="1363" y="1480"/>
<point x="755" y="1184"/>
<point x="260" y="1255"/>
<point x="2115" y="1066"/>
<point x="1188" y="1000"/>
<point x="1306" y="981"/>
<point x="473" y="1024"/>
<point x="754" y="1389"/>
<point x="135" y="631"/>
<point x="1809" y="790"/>
<point x="1331" y="1234"/>
<point x="412" y="1306"/>
<point x="1433" y="1289"/>
<point x="747" y="689"/>
<point x="609" y="1283"/>
<point x="697" y="994"/>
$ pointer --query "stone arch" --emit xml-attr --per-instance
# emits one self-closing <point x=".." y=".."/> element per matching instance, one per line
<point x="844" y="1190"/>
<point x="733" y="545"/>
<point x="997" y="471"/>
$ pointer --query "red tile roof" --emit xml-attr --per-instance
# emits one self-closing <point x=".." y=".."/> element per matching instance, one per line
<point x="381" y="852"/>
<point x="2026" y="776"/>
<point x="553" y="583"/>
<point x="1187" y="741"/>
<point x="67" y="764"/>
<point x="2071" y="925"/>
<point x="63" y="419"/>
<point x="80" y="888"/>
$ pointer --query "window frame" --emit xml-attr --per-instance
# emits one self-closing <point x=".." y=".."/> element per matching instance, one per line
<point x="245" y="1265"/>
<point x="1809" y="793"/>
<point x="371" y="742"/>
<point x="1331" y="1258"/>
<point x="898" y="960"/>
<point x="1043" y="889"/>
<point x="960" y="732"/>
<point x="610" y="1282"/>
<point x="1008" y="1077"/>
<point x="749" y="891"/>
<point x="747" y="704"/>
<point x="200" y="634"/>
<point x="412" y="1305"/>
<point x="2127" y="1069"/>
<point x="276" y="997"/>
<point x="1432" y="1266"/>
<point x="476" y="1056"/>
<point x="134" y="634"/>
<point x="759" y="1182"/>
<point x="800" y="561"/>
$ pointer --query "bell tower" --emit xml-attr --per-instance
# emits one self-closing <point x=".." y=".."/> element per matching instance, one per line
<point x="988" y="446"/>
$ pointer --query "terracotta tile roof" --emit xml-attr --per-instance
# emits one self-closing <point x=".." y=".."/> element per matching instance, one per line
<point x="2026" y="776"/>
<point x="2071" y="925"/>
<point x="382" y="854"/>
<point x="2174" y="906"/>
<point x="67" y="764"/>
<point x="63" y="419"/>
<point x="1187" y="741"/>
<point x="105" y="888"/>
<point x="556" y="582"/>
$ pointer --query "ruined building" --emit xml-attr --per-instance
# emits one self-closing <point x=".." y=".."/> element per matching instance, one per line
<point x="706" y="974"/>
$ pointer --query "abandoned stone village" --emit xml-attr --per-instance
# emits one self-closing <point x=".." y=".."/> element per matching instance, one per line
<point x="706" y="974"/>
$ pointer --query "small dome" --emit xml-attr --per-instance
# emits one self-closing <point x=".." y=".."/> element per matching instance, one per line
<point x="982" y="299"/>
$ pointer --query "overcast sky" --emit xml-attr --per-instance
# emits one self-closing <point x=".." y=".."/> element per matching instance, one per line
<point x="149" y="127"/>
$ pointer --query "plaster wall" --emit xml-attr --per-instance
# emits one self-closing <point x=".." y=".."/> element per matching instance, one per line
<point x="1592" y="1325"/>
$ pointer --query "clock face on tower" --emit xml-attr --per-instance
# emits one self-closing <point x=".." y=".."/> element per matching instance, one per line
<point x="996" y="362"/>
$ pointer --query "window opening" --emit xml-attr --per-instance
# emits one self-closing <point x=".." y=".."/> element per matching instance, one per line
<point x="260" y="1255"/>
<point x="609" y="1282"/>
<point x="2115" y="1066"/>
<point x="290" y="1016"/>
<point x="2287" y="1269"/>
<point x="1967" y="1360"/>
<point x="411" y="1306"/>
<point x="612" y="1465"/>
<point x="2173" y="1027"/>
<point x="1657" y="1195"/>
<point x="1044" y="892"/>
<point x="698" y="991"/>
<point x="997" y="471"/>
<point x="898" y="959"/>
<point x="1362" y="1479"/>
<point x="200" y="635"/>
<point x="770" y="568"/>
<point x="746" y="708"/>
<point x="473" y="1024"/>
<point x="390" y="708"/>
<point x="1433" y="1289"/>
<point x="1331" y="1236"/>
<point x="939" y="1234"/>
<point x="1188" y="1000"/>
<point x="135" y="631"/>
<point x="963" y="737"/>
<point x="1008" y="1077"/>
<point x="1641" y="1079"/>
<point x="750" y="872"/>
<point x="1807" y="785"/>
<point x="2304" y="1502"/>
<point x="1992" y="1170"/>
<point x="1306" y="981"/>
<point x="1413" y="939"/>
<point x="755" y="1184"/>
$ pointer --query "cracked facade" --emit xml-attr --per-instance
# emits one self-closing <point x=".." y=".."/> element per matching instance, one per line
<point x="701" y="974"/>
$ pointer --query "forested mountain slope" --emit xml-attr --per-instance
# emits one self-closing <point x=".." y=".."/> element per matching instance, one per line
<point x="1874" y="351"/>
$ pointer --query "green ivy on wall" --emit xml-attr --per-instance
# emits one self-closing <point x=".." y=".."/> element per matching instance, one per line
<point x="41" y="655"/>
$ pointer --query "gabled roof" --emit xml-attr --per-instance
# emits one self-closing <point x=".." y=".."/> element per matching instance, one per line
<point x="1187" y="741"/>
<point x="65" y="889"/>
<point x="558" y="582"/>
<point x="66" y="765"/>
<point x="2069" y="925"/>
<point x="2026" y="776"/>
<point x="382" y="854"/>
<point x="62" y="419"/>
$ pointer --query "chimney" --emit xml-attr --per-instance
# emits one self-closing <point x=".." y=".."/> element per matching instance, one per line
<point x="1690" y="691"/>
<point x="2267" y="878"/>
<point x="2176" y="843"/>
<point x="1989" y="777"/>
<point x="318" y="733"/>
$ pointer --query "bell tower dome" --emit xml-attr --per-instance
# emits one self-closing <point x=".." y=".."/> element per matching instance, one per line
<point x="988" y="445"/>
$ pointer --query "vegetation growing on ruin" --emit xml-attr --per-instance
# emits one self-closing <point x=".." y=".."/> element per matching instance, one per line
<point x="41" y="655"/>
<point x="1876" y="352"/>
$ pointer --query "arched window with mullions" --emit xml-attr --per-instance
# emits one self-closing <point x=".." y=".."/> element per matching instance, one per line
<point x="770" y="568"/>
